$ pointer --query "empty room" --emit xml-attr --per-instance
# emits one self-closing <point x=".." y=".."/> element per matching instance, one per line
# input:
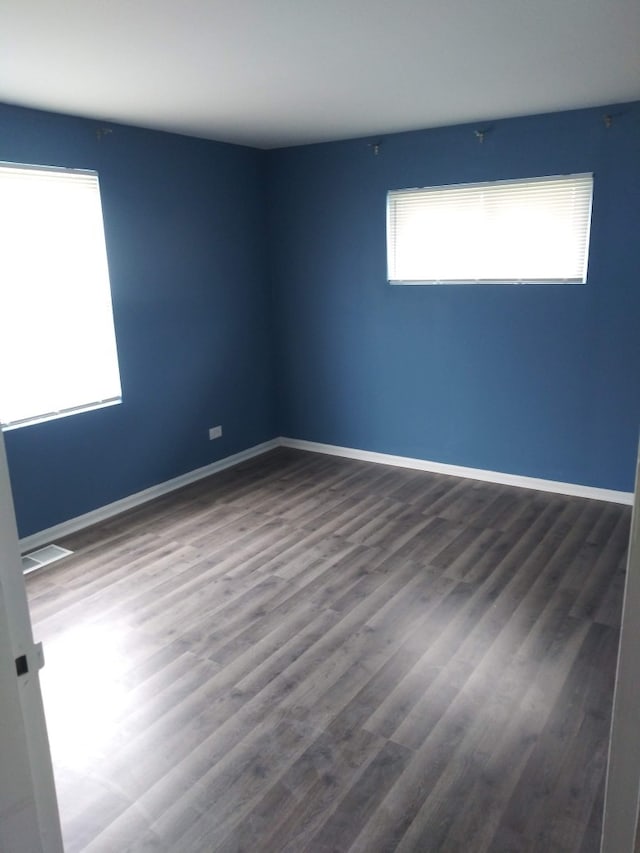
<point x="320" y="345"/>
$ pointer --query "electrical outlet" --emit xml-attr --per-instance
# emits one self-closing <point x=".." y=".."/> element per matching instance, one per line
<point x="215" y="432"/>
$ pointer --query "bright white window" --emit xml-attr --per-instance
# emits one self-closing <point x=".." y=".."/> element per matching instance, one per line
<point x="534" y="230"/>
<point x="57" y="342"/>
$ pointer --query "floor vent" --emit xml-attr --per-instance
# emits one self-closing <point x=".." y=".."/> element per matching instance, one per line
<point x="42" y="557"/>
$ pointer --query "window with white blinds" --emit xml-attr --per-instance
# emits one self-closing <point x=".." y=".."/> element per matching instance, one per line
<point x="57" y="341"/>
<point x="534" y="231"/>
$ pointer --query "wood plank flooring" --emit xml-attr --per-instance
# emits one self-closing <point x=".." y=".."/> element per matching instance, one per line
<point x="307" y="653"/>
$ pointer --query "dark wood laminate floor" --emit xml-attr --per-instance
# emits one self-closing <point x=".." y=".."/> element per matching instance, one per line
<point x="308" y="653"/>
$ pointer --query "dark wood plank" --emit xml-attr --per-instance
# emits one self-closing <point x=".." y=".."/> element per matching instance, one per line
<point x="307" y="653"/>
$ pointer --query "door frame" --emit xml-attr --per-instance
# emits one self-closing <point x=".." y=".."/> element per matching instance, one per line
<point x="29" y="818"/>
<point x="622" y="793"/>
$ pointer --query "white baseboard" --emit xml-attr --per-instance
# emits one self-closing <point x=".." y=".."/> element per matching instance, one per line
<point x="460" y="471"/>
<point x="44" y="537"/>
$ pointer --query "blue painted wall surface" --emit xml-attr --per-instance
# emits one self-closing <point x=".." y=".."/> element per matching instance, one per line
<point x="542" y="381"/>
<point x="184" y="222"/>
<point x="536" y="380"/>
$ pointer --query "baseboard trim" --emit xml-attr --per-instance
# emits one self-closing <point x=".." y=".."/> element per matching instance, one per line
<point x="44" y="537"/>
<point x="58" y="531"/>
<point x="573" y="489"/>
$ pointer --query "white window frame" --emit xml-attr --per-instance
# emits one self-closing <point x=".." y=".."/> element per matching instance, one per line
<point x="55" y="295"/>
<point x="479" y="229"/>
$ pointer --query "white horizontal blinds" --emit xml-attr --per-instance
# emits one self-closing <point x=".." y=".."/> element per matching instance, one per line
<point x="530" y="230"/>
<point x="57" y="342"/>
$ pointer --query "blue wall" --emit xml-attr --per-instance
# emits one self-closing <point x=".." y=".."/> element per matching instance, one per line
<point x="539" y="380"/>
<point x="184" y="222"/>
<point x="534" y="380"/>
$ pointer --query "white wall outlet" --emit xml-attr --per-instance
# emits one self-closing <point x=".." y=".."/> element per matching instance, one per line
<point x="215" y="432"/>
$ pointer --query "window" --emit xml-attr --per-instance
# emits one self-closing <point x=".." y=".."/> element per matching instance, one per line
<point x="534" y="230"/>
<point x="57" y="341"/>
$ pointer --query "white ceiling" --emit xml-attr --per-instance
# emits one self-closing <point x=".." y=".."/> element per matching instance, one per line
<point x="281" y="72"/>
